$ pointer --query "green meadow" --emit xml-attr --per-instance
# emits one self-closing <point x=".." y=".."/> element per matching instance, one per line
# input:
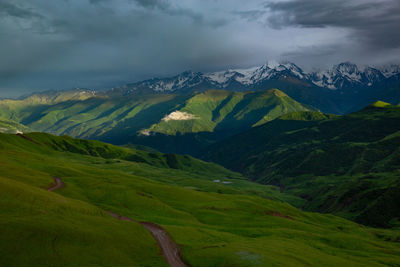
<point x="215" y="215"/>
<point x="344" y="165"/>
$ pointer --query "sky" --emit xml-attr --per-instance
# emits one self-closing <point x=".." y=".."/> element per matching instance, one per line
<point x="98" y="44"/>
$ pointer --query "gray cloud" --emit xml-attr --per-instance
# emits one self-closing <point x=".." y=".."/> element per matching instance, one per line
<point x="250" y="15"/>
<point x="9" y="9"/>
<point x="374" y="22"/>
<point x="162" y="4"/>
<point x="104" y="43"/>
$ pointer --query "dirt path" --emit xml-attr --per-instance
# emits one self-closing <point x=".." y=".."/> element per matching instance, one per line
<point x="118" y="217"/>
<point x="169" y="248"/>
<point x="58" y="183"/>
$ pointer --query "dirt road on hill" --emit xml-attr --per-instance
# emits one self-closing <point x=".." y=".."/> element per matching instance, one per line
<point x="169" y="248"/>
<point x="58" y="183"/>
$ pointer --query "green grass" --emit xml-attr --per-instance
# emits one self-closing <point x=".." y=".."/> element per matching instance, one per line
<point x="380" y="104"/>
<point x="119" y="120"/>
<point x="39" y="228"/>
<point x="216" y="224"/>
<point x="82" y="114"/>
<point x="219" y="110"/>
<point x="347" y="165"/>
<point x="7" y="126"/>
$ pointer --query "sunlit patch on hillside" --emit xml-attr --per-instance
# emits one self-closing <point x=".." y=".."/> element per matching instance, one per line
<point x="179" y="116"/>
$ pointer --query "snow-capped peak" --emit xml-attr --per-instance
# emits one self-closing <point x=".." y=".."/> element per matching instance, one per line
<point x="272" y="64"/>
<point x="390" y="70"/>
<point x="254" y="75"/>
<point x="346" y="68"/>
<point x="341" y="76"/>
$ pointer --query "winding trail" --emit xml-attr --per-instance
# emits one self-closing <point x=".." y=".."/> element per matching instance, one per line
<point x="169" y="248"/>
<point x="58" y="183"/>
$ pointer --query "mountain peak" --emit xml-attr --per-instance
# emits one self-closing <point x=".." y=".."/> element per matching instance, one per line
<point x="343" y="76"/>
<point x="272" y="64"/>
<point x="390" y="70"/>
<point x="276" y="92"/>
<point x="347" y="68"/>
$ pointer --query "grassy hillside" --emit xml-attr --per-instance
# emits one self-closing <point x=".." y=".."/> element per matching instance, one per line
<point x="347" y="165"/>
<point x="7" y="126"/>
<point x="215" y="223"/>
<point x="219" y="110"/>
<point x="39" y="228"/>
<point x="214" y="115"/>
<point x="119" y="120"/>
<point x="84" y="114"/>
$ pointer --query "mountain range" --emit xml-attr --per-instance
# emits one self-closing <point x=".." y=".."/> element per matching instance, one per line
<point x="161" y="121"/>
<point x="343" y="88"/>
<point x="341" y="76"/>
<point x="187" y="112"/>
<point x="308" y="174"/>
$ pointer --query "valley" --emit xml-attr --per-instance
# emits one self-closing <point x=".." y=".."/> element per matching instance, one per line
<point x="345" y="165"/>
<point x="295" y="185"/>
<point x="221" y="133"/>
<point x="180" y="195"/>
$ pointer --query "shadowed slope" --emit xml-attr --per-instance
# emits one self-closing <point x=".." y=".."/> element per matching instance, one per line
<point x="348" y="165"/>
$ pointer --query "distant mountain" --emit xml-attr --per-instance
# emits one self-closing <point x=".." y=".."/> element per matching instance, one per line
<point x="341" y="76"/>
<point x="7" y="126"/>
<point x="346" y="76"/>
<point x="347" y="165"/>
<point x="155" y="120"/>
<point x="55" y="96"/>
<point x="341" y="89"/>
<point x="220" y="110"/>
<point x="390" y="70"/>
<point x="213" y="115"/>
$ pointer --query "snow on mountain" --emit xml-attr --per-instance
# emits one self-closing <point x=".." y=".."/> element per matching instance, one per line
<point x="240" y="75"/>
<point x="185" y="79"/>
<point x="342" y="76"/>
<point x="346" y="75"/>
<point x="372" y="75"/>
<point x="390" y="70"/>
<point x="256" y="74"/>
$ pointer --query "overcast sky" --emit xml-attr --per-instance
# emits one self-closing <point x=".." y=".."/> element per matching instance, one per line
<point x="61" y="44"/>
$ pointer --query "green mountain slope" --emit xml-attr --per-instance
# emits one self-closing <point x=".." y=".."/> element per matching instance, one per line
<point x="213" y="115"/>
<point x="84" y="114"/>
<point x="7" y="126"/>
<point x="39" y="228"/>
<point x="219" y="110"/>
<point x="215" y="223"/>
<point x="120" y="120"/>
<point x="347" y="165"/>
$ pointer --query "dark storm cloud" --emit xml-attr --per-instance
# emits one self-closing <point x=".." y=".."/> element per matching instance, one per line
<point x="13" y="10"/>
<point x="164" y="6"/>
<point x="145" y="3"/>
<point x="376" y="23"/>
<point x="154" y="3"/>
<point x="250" y="15"/>
<point x="61" y="44"/>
